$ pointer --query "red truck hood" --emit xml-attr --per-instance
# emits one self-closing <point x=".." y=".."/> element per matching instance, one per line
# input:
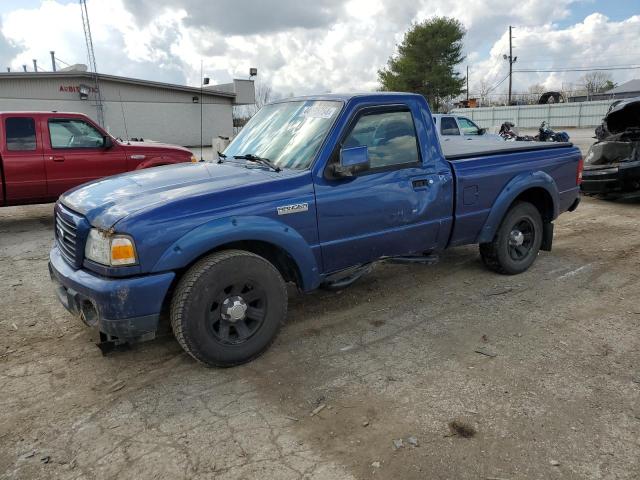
<point x="146" y="146"/>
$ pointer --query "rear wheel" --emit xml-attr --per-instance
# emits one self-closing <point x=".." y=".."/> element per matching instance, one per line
<point x="516" y="243"/>
<point x="228" y="308"/>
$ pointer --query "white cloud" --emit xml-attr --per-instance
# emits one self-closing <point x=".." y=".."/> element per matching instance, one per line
<point x="330" y="45"/>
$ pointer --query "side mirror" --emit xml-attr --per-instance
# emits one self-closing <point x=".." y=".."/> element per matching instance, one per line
<point x="482" y="131"/>
<point x="352" y="161"/>
<point x="108" y="143"/>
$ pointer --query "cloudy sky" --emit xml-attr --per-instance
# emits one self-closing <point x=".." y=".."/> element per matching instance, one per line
<point x="325" y="45"/>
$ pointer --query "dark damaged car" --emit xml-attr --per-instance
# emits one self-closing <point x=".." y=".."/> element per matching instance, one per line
<point x="612" y="164"/>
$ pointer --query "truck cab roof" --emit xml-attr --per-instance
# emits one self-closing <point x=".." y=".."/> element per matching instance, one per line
<point x="49" y="113"/>
<point x="345" y="97"/>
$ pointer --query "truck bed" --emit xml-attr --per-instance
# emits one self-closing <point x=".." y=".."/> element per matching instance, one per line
<point x="482" y="173"/>
<point x="457" y="151"/>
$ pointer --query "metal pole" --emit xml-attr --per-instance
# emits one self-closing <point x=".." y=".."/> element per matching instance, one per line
<point x="467" y="85"/>
<point x="53" y="60"/>
<point x="510" y="64"/>
<point x="35" y="65"/>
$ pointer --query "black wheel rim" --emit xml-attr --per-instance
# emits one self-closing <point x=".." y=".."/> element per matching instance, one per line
<point x="521" y="239"/>
<point x="237" y="312"/>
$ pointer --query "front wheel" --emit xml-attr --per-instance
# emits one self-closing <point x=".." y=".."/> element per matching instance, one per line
<point x="516" y="243"/>
<point x="228" y="308"/>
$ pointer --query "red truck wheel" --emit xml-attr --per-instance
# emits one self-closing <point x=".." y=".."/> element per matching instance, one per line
<point x="228" y="308"/>
<point x="516" y="243"/>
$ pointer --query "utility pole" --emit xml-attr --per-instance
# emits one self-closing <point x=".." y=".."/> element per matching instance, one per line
<point x="511" y="60"/>
<point x="467" y="85"/>
<point x="510" y="63"/>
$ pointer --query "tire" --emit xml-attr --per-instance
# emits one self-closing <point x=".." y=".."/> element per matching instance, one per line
<point x="228" y="308"/>
<point x="511" y="253"/>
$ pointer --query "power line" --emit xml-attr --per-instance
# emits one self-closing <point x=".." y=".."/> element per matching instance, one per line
<point x="498" y="84"/>
<point x="582" y="69"/>
<point x="62" y="61"/>
<point x="597" y="37"/>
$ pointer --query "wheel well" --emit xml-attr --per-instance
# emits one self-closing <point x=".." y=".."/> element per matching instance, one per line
<point x="539" y="198"/>
<point x="279" y="257"/>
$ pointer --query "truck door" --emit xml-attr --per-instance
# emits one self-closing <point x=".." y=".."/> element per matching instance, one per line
<point x="469" y="129"/>
<point x="449" y="131"/>
<point x="77" y="152"/>
<point x="384" y="211"/>
<point x="22" y="161"/>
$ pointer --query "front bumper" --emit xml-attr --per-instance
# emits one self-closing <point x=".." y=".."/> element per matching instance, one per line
<point x="624" y="177"/>
<point x="126" y="308"/>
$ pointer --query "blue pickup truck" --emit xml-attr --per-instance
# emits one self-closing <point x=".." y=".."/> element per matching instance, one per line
<point x="311" y="192"/>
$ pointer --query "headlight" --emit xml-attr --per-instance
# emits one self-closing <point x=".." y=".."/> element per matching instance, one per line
<point x="110" y="250"/>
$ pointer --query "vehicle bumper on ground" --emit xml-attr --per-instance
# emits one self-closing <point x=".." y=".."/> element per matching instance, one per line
<point x="125" y="308"/>
<point x="625" y="177"/>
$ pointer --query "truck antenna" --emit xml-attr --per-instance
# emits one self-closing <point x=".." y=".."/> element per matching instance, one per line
<point x="201" y="100"/>
<point x="124" y="119"/>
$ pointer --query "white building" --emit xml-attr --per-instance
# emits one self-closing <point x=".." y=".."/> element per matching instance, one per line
<point x="131" y="107"/>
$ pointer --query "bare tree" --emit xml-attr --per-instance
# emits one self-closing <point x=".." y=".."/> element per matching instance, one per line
<point x="535" y="91"/>
<point x="264" y="95"/>
<point x="242" y="113"/>
<point x="484" y="90"/>
<point x="595" y="82"/>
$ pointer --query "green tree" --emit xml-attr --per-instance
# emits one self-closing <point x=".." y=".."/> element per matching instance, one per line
<point x="426" y="60"/>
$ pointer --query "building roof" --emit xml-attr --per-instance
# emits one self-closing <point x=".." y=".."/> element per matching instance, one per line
<point x="630" y="86"/>
<point x="114" y="78"/>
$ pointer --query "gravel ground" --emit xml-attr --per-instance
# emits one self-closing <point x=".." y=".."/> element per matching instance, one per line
<point x="555" y="393"/>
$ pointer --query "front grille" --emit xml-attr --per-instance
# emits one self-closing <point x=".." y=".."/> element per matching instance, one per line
<point x="67" y="234"/>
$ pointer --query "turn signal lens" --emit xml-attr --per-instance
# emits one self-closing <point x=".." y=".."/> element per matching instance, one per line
<point x="122" y="251"/>
<point x="579" y="172"/>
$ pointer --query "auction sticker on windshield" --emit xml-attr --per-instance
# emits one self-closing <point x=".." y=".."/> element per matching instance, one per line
<point x="318" y="111"/>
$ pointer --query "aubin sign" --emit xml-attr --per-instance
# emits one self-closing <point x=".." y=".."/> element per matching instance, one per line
<point x="77" y="88"/>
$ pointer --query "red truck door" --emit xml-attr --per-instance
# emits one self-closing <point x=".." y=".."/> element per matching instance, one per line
<point x="76" y="152"/>
<point x="22" y="160"/>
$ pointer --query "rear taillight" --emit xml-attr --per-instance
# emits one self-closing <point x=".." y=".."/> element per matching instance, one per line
<point x="579" y="172"/>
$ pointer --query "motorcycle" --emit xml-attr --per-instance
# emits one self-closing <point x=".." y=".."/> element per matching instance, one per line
<point x="545" y="134"/>
<point x="508" y="132"/>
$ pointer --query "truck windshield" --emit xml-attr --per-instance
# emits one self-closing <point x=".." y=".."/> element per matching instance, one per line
<point x="288" y="133"/>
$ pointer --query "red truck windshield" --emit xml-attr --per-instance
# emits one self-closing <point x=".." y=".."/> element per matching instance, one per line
<point x="288" y="133"/>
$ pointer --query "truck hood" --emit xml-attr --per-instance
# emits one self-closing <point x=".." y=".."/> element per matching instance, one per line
<point x="106" y="201"/>
<point x="624" y="115"/>
<point x="132" y="147"/>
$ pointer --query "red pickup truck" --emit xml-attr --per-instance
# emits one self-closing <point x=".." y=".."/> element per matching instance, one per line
<point x="43" y="154"/>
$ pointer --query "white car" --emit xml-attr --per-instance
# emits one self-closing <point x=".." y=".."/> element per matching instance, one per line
<point x="454" y="128"/>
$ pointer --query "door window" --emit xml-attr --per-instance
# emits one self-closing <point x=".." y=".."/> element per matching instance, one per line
<point x="70" y="133"/>
<point x="468" y="127"/>
<point x="21" y="133"/>
<point x="448" y="126"/>
<point x="389" y="136"/>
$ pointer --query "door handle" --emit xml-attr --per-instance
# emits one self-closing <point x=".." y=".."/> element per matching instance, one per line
<point x="421" y="183"/>
<point x="57" y="158"/>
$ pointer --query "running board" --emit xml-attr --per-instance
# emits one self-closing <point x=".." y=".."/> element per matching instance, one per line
<point x="346" y="278"/>
<point x="431" y="259"/>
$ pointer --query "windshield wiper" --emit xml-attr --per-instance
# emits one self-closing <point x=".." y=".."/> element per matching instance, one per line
<point x="221" y="157"/>
<point x="261" y="160"/>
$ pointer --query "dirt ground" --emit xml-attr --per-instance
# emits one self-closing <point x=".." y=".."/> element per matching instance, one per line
<point x="556" y="393"/>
